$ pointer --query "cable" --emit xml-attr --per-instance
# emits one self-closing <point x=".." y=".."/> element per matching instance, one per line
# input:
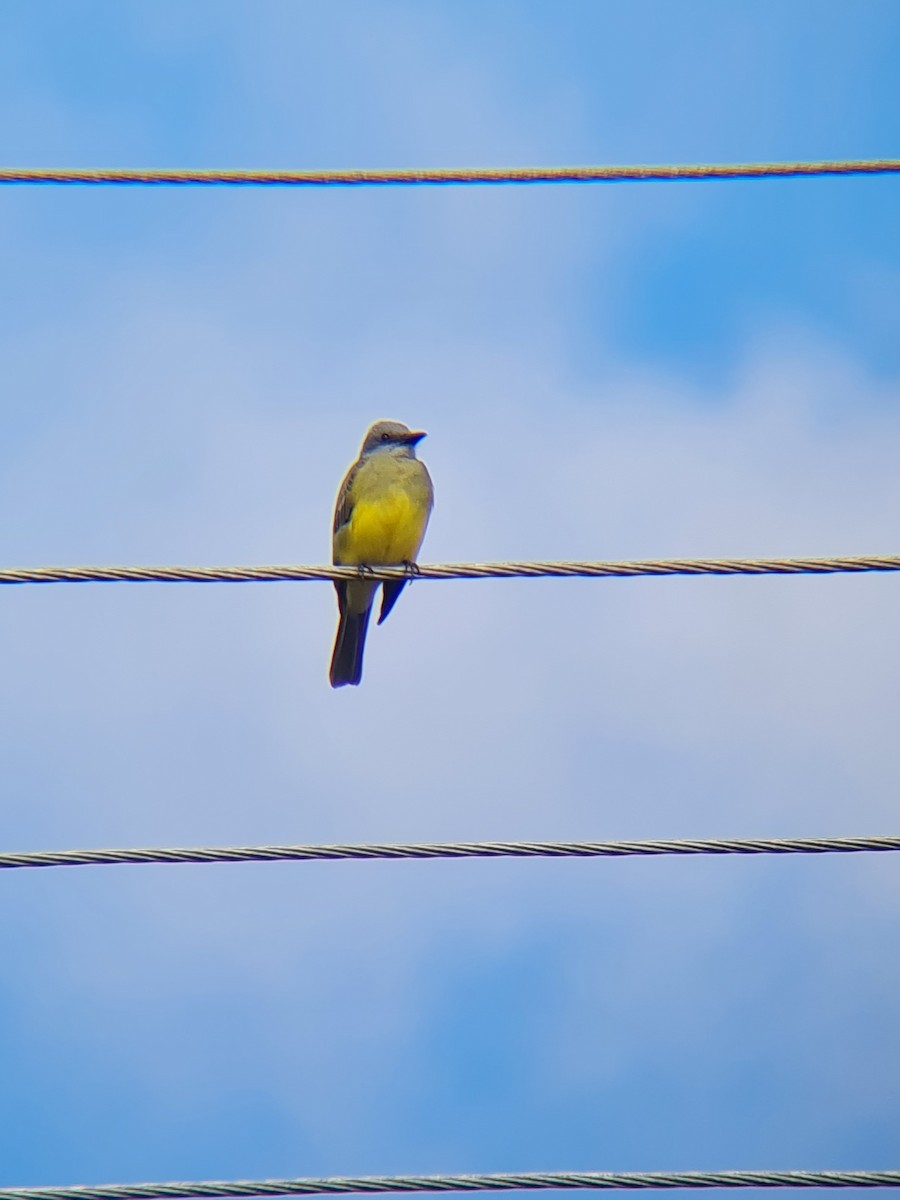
<point x="527" y="1181"/>
<point x="427" y="850"/>
<point x="442" y="175"/>
<point x="499" y="570"/>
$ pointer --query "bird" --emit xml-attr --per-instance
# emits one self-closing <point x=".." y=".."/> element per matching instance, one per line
<point x="380" y="517"/>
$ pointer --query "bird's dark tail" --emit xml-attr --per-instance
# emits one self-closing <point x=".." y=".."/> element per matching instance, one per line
<point x="346" y="661"/>
<point x="390" y="594"/>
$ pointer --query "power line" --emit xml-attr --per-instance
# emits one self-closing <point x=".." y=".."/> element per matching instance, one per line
<point x="527" y="1181"/>
<point x="499" y="570"/>
<point x="429" y="850"/>
<point x="104" y="177"/>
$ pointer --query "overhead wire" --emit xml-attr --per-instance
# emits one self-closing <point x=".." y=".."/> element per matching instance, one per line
<point x="11" y="860"/>
<point x="524" y="1181"/>
<point x="440" y="176"/>
<point x="846" y="564"/>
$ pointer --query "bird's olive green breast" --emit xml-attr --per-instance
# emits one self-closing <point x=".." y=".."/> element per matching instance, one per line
<point x="382" y="510"/>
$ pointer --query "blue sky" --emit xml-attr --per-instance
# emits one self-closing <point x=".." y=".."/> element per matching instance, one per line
<point x="603" y="372"/>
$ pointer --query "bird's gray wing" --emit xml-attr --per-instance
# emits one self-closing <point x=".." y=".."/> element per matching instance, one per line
<point x="343" y="506"/>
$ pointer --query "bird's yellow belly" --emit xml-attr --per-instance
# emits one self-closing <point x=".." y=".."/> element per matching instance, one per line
<point x="383" y="531"/>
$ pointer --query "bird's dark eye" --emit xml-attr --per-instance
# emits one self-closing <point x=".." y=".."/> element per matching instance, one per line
<point x="385" y="437"/>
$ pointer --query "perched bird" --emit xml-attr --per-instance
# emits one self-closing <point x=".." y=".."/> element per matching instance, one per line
<point x="379" y="520"/>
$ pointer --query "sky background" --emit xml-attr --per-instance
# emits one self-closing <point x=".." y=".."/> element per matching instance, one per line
<point x="604" y="371"/>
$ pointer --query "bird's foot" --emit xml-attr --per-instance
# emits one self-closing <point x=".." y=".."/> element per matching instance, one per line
<point x="412" y="570"/>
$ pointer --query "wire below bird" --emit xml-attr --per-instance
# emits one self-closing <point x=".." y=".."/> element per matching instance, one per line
<point x="525" y="1181"/>
<point x="430" y="850"/>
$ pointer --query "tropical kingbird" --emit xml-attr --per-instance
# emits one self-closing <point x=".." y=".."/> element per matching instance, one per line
<point x="379" y="520"/>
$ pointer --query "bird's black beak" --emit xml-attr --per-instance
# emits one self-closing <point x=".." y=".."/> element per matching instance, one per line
<point x="414" y="437"/>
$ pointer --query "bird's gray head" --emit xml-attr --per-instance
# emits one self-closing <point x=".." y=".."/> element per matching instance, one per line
<point x="391" y="437"/>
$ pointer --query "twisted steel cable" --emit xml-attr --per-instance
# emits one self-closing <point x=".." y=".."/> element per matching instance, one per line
<point x="430" y="850"/>
<point x="846" y="564"/>
<point x="105" y="177"/>
<point x="526" y="1181"/>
